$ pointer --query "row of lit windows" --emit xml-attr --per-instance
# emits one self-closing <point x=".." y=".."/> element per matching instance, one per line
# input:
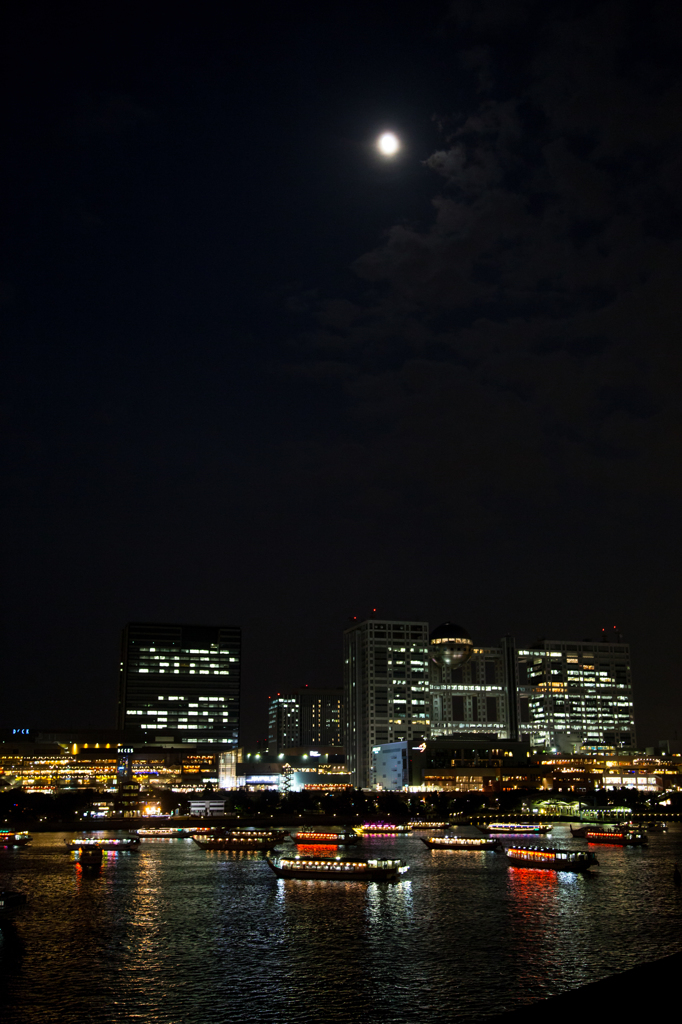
<point x="213" y="652"/>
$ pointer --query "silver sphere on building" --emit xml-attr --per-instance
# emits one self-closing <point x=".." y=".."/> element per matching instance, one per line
<point x="450" y="645"/>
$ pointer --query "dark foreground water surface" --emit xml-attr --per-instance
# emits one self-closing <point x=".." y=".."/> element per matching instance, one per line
<point x="179" y="935"/>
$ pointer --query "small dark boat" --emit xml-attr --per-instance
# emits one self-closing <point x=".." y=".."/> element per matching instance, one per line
<point x="461" y="842"/>
<point x="242" y="839"/>
<point x="579" y="833"/>
<point x="547" y="858"/>
<point x="9" y="838"/>
<point x="90" y="856"/>
<point x="330" y="837"/>
<point x="10" y="898"/>
<point x="337" y="869"/>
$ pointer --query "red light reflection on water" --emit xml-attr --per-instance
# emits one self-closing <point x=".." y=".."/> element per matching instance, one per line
<point x="322" y="848"/>
<point x="527" y="883"/>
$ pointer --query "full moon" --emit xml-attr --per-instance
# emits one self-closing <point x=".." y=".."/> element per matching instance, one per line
<point x="388" y="144"/>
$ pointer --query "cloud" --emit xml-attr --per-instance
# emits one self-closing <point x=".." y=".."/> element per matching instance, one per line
<point x="531" y="331"/>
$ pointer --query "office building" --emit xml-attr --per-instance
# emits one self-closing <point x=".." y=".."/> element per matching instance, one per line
<point x="306" y="717"/>
<point x="470" y="763"/>
<point x="558" y="694"/>
<point x="468" y="685"/>
<point x="578" y="694"/>
<point x="386" y="689"/>
<point x="390" y="766"/>
<point x="181" y="683"/>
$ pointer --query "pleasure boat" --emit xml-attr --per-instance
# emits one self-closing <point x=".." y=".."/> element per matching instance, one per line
<point x="337" y="869"/>
<point x="92" y="843"/>
<point x="555" y="860"/>
<point x="461" y="842"/>
<point x="241" y="839"/>
<point x="330" y="836"/>
<point x="9" y="838"/>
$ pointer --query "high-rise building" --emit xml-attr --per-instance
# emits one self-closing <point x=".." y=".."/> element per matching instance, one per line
<point x="472" y="698"/>
<point x="306" y="717"/>
<point x="558" y="694"/>
<point x="386" y="689"/>
<point x="181" y="683"/>
<point x="576" y="694"/>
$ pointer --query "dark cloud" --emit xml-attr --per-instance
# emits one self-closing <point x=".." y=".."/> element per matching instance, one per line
<point x="534" y="321"/>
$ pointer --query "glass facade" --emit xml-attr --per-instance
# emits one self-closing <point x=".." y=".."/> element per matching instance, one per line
<point x="181" y="682"/>
<point x="578" y="694"/>
<point x="472" y="698"/>
<point x="306" y="717"/>
<point x="386" y="689"/>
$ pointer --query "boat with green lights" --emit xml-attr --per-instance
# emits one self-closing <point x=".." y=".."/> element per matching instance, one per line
<point x="516" y="828"/>
<point x="182" y="832"/>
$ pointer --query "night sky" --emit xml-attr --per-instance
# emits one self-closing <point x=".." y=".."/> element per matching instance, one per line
<point x="256" y="374"/>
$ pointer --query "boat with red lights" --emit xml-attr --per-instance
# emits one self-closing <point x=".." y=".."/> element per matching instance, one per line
<point x="548" y="858"/>
<point x="92" y="843"/>
<point x="331" y="836"/>
<point x="9" y="838"/>
<point x="241" y="839"/>
<point x="616" y="836"/>
<point x="461" y="842"/>
<point x="337" y="869"/>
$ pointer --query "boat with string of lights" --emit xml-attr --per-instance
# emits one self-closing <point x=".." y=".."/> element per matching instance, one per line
<point x="329" y="837"/>
<point x="516" y="828"/>
<point x="461" y="842"/>
<point x="93" y="843"/>
<point x="381" y="828"/>
<point x="616" y="836"/>
<point x="548" y="858"/>
<point x="429" y="824"/>
<point x="9" y="838"/>
<point x="337" y="869"/>
<point x="241" y="839"/>
<point x="164" y="832"/>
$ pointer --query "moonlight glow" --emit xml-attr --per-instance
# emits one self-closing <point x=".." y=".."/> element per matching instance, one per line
<point x="388" y="144"/>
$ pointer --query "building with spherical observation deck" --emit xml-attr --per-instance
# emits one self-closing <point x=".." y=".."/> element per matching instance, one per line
<point x="450" y="645"/>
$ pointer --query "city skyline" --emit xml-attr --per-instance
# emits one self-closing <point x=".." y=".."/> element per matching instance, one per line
<point x="340" y="352"/>
<point x="182" y="684"/>
<point x="261" y="372"/>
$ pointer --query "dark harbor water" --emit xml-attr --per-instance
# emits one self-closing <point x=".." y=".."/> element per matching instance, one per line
<point x="179" y="935"/>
